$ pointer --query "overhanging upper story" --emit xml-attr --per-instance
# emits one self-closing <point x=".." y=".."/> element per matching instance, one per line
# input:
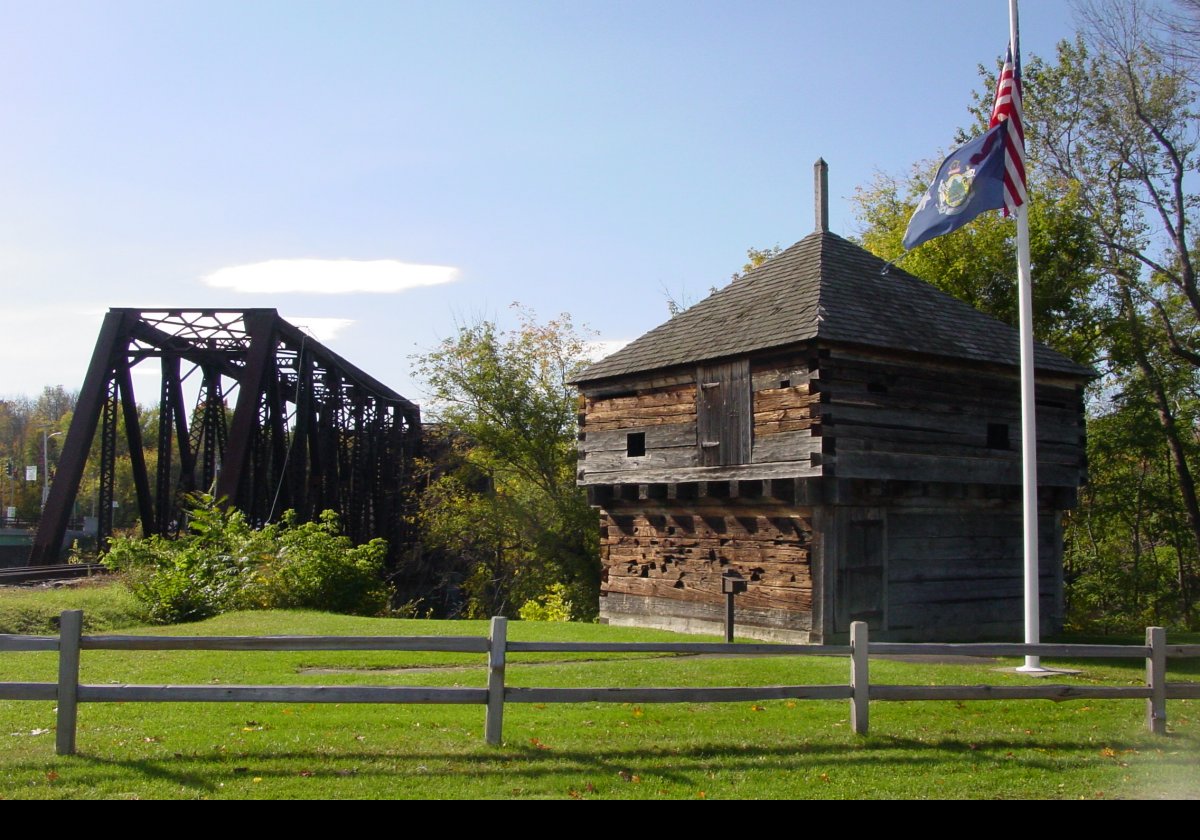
<point x="819" y="364"/>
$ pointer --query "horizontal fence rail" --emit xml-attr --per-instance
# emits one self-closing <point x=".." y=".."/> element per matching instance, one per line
<point x="440" y="644"/>
<point x="70" y="642"/>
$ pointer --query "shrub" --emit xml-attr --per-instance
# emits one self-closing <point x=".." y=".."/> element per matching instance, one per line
<point x="223" y="564"/>
<point x="552" y="605"/>
<point x="316" y="567"/>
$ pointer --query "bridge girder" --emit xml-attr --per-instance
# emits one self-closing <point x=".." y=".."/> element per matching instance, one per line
<point x="309" y="431"/>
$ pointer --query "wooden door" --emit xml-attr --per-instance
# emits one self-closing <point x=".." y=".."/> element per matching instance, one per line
<point x="859" y="593"/>
<point x="723" y="413"/>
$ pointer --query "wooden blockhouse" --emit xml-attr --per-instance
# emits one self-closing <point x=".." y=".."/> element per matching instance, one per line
<point x="844" y="437"/>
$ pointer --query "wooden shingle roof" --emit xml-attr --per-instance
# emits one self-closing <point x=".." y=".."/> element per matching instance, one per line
<point x="825" y="287"/>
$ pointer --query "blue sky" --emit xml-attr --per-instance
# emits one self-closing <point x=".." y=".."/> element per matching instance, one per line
<point x="573" y="156"/>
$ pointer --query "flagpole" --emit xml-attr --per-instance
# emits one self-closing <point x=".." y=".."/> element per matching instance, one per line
<point x="1028" y="405"/>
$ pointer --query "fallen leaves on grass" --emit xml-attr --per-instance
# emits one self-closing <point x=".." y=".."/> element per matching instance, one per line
<point x="578" y="794"/>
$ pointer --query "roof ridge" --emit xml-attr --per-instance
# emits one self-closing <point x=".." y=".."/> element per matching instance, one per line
<point x="825" y="286"/>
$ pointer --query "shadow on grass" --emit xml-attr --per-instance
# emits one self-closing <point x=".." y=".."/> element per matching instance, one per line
<point x="517" y="764"/>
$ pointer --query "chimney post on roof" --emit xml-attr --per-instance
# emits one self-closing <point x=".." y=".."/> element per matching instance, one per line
<point x="821" y="194"/>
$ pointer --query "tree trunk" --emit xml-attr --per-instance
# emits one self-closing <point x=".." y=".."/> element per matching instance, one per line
<point x="1166" y="419"/>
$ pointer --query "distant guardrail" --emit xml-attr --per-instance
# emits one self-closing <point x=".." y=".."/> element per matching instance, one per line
<point x="25" y="523"/>
<point x="70" y="642"/>
<point x="16" y="575"/>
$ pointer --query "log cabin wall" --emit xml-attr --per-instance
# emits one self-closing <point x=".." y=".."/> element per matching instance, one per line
<point x="662" y="567"/>
<point x="641" y="430"/>
<point x="923" y="561"/>
<point x="678" y="428"/>
<point x="908" y="470"/>
<point x="786" y="421"/>
<point x="885" y="417"/>
<point x="701" y="472"/>
<point x="922" y="522"/>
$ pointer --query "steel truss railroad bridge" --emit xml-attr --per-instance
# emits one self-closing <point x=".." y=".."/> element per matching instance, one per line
<point x="308" y="432"/>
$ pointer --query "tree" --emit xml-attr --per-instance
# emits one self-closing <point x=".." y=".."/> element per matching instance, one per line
<point x="1129" y="553"/>
<point x="1119" y="120"/>
<point x="977" y="263"/>
<point x="504" y="499"/>
<point x="1177" y="27"/>
<point x="22" y="421"/>
<point x="1111" y="141"/>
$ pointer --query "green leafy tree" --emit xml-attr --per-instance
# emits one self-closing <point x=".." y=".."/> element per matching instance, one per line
<point x="1111" y="139"/>
<point x="504" y="500"/>
<point x="1120" y="122"/>
<point x="977" y="263"/>
<point x="1128" y="551"/>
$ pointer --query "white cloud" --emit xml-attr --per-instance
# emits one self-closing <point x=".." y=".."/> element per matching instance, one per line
<point x="322" y="329"/>
<point x="330" y="277"/>
<point x="603" y="347"/>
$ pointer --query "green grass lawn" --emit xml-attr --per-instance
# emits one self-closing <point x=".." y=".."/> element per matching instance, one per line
<point x="107" y="606"/>
<point x="772" y="749"/>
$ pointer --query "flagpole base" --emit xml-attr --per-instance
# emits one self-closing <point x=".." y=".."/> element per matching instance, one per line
<point x="1033" y="665"/>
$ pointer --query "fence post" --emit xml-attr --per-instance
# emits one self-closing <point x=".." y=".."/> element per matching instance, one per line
<point x="70" y="628"/>
<point x="860" y="681"/>
<point x="493" y="729"/>
<point x="1156" y="680"/>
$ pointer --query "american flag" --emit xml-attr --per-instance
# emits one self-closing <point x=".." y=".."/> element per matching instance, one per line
<point x="1008" y="107"/>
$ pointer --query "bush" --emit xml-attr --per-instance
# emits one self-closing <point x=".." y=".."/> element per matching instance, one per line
<point x="553" y="605"/>
<point x="318" y="568"/>
<point x="224" y="564"/>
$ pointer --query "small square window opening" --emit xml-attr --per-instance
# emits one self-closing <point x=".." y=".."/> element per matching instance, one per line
<point x="997" y="436"/>
<point x="635" y="444"/>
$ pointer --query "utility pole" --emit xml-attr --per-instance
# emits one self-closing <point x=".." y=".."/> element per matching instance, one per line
<point x="46" y="464"/>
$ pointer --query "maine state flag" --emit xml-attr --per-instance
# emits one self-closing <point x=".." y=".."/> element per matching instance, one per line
<point x="969" y="182"/>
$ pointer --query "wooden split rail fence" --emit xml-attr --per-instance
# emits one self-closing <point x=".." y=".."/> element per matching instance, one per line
<point x="69" y="693"/>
